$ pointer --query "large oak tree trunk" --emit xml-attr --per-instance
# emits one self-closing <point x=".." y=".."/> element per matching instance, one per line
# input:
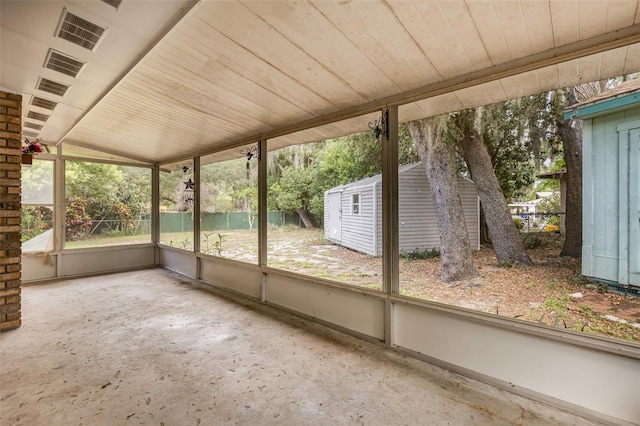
<point x="570" y="132"/>
<point x="437" y="158"/>
<point x="506" y="241"/>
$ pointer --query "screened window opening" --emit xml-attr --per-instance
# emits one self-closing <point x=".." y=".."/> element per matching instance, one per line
<point x="326" y="201"/>
<point x="177" y="192"/>
<point x="106" y="204"/>
<point x="37" y="214"/>
<point x="229" y="206"/>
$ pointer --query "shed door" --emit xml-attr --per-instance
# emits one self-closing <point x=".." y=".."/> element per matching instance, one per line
<point x="335" y="216"/>
<point x="634" y="207"/>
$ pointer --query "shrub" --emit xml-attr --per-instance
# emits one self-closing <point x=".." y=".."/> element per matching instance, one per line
<point x="78" y="222"/>
<point x="418" y="254"/>
<point x="519" y="223"/>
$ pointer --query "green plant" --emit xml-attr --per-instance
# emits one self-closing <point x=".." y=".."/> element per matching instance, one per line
<point x="554" y="220"/>
<point x="553" y="284"/>
<point x="418" y="254"/>
<point x="519" y="223"/>
<point x="558" y="304"/>
<point x="184" y="244"/>
<point x="206" y="241"/>
<point x="217" y="245"/>
<point x="533" y="243"/>
<point x="78" y="222"/>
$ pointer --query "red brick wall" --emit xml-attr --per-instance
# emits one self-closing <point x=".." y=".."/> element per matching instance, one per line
<point x="10" y="245"/>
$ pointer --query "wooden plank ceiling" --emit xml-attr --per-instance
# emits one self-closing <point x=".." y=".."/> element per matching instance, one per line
<point x="230" y="72"/>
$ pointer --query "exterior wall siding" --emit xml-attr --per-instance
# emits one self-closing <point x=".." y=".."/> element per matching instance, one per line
<point x="418" y="225"/>
<point x="10" y="206"/>
<point x="606" y="169"/>
<point x="418" y="228"/>
<point x="358" y="229"/>
<point x="325" y="218"/>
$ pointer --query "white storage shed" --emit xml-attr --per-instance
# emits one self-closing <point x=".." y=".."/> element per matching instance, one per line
<point x="353" y="213"/>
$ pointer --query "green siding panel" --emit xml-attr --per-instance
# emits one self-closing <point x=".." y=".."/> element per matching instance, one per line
<point x="634" y="207"/>
<point x="610" y="197"/>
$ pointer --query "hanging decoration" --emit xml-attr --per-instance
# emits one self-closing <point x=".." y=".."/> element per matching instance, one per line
<point x="28" y="151"/>
<point x="188" y="192"/>
<point x="189" y="185"/>
<point x="186" y="167"/>
<point x="250" y="153"/>
<point x="381" y="125"/>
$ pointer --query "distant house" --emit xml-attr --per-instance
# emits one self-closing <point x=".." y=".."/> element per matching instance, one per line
<point x="353" y="213"/>
<point x="611" y="182"/>
<point x="560" y="175"/>
<point x="531" y="206"/>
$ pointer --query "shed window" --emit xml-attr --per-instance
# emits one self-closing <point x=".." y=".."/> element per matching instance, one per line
<point x="355" y="204"/>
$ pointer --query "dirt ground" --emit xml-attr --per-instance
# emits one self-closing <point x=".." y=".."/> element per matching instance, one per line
<point x="553" y="292"/>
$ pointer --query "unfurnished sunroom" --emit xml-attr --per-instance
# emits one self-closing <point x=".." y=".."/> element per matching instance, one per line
<point x="167" y="96"/>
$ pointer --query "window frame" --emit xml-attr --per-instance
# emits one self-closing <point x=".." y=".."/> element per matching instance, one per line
<point x="356" y="205"/>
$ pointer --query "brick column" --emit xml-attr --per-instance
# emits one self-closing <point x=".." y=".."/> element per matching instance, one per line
<point x="10" y="187"/>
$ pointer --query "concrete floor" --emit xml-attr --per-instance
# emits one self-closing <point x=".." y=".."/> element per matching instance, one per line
<point x="147" y="347"/>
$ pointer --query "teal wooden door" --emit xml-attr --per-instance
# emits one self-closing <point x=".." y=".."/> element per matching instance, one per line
<point x="634" y="207"/>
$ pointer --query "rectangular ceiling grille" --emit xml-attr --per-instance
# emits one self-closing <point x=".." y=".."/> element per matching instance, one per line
<point x="37" y="116"/>
<point x="52" y="87"/>
<point x="32" y="125"/>
<point x="43" y="103"/>
<point x="113" y="3"/>
<point x="62" y="63"/>
<point x="30" y="134"/>
<point x="79" y="31"/>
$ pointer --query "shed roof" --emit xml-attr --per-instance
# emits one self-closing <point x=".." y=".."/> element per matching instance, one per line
<point x="372" y="180"/>
<point x="168" y="80"/>
<point x="623" y="96"/>
<point x="554" y="174"/>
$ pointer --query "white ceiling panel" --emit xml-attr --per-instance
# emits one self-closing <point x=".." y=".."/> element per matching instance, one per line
<point x="565" y="21"/>
<point x="539" y="25"/>
<point x="632" y="60"/>
<point x="612" y="62"/>
<point x="487" y="18"/>
<point x="179" y="78"/>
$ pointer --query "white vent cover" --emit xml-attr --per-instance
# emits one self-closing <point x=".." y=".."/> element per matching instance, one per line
<point x="30" y="134"/>
<point x="32" y="125"/>
<point x="37" y="116"/>
<point x="65" y="64"/>
<point x="52" y="86"/>
<point x="113" y="3"/>
<point x="43" y="103"/>
<point x="79" y="31"/>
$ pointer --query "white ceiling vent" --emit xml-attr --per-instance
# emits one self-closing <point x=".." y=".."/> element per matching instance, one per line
<point x="52" y="86"/>
<point x="65" y="64"/>
<point x="32" y="125"/>
<point x="113" y="3"/>
<point x="79" y="31"/>
<point x="30" y="134"/>
<point x="37" y="116"/>
<point x="43" y="103"/>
